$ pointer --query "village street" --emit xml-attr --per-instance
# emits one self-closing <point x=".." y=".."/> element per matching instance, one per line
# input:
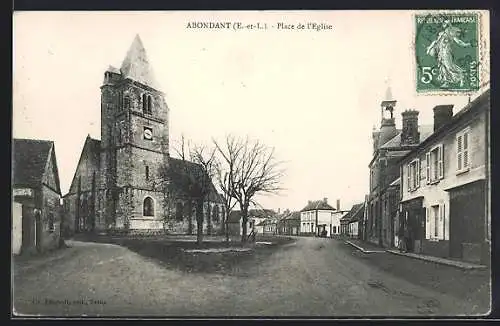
<point x="308" y="277"/>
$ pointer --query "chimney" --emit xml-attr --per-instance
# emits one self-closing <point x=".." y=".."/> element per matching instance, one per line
<point x="325" y="200"/>
<point x="410" y="134"/>
<point x="338" y="204"/>
<point x="442" y="115"/>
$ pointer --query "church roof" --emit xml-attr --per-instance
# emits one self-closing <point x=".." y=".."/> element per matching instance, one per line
<point x="136" y="66"/>
<point x="182" y="173"/>
<point x="30" y="158"/>
<point x="425" y="131"/>
<point x="90" y="154"/>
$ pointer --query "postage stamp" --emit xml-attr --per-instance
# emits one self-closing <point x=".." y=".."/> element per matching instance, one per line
<point x="447" y="52"/>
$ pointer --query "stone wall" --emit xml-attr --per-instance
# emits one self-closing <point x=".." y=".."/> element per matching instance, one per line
<point x="50" y="210"/>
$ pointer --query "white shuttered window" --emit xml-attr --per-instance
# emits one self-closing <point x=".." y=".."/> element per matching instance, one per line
<point x="463" y="150"/>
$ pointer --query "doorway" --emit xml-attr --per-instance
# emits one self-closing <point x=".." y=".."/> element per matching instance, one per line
<point x="467" y="216"/>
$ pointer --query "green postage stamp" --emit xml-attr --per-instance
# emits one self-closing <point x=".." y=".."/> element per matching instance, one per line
<point x="447" y="52"/>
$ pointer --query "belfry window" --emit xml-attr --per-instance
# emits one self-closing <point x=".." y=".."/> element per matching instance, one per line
<point x="148" y="207"/>
<point x="147" y="104"/>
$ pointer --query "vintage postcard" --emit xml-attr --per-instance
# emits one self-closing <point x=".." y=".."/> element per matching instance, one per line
<point x="214" y="164"/>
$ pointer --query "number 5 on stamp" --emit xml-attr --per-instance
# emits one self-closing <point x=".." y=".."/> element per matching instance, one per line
<point x="447" y="52"/>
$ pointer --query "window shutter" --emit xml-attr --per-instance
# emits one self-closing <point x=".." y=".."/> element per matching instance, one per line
<point x="466" y="150"/>
<point x="440" y="162"/>
<point x="441" y="223"/>
<point x="408" y="171"/>
<point x="417" y="173"/>
<point x="428" y="167"/>
<point x="444" y="222"/>
<point x="427" y="224"/>
<point x="459" y="152"/>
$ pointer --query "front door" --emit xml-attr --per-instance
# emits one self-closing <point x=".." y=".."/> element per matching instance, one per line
<point x="467" y="216"/>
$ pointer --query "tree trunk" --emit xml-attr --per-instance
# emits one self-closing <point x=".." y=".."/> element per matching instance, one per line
<point x="209" y="219"/>
<point x="244" y="215"/>
<point x="199" y="222"/>
<point x="244" y="229"/>
<point x="226" y="222"/>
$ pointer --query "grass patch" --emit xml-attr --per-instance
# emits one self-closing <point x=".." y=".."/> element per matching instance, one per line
<point x="186" y="255"/>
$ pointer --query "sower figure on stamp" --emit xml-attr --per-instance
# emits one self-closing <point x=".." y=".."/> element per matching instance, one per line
<point x="448" y="71"/>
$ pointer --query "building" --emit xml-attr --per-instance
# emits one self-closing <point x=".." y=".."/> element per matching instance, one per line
<point x="289" y="224"/>
<point x="350" y="223"/>
<point x="446" y="186"/>
<point x="254" y="221"/>
<point x="270" y="226"/>
<point x="127" y="180"/>
<point x="389" y="146"/>
<point x="318" y="216"/>
<point x="36" y="193"/>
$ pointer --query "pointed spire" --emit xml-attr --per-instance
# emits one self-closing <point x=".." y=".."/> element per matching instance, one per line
<point x="136" y="65"/>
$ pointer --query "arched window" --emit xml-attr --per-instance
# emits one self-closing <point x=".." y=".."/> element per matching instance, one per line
<point x="215" y="213"/>
<point x="179" y="210"/>
<point x="148" y="207"/>
<point x="146" y="104"/>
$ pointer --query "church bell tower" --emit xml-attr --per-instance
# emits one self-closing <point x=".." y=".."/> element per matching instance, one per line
<point x="134" y="142"/>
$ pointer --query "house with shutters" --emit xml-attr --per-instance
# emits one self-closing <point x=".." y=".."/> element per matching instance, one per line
<point x="445" y="185"/>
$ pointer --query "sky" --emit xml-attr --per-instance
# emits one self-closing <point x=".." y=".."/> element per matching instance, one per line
<point x="312" y="95"/>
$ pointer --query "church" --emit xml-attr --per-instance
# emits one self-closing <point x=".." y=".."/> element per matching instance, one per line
<point x="127" y="181"/>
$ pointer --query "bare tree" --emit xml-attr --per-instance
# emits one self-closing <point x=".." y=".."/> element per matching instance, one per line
<point x="254" y="171"/>
<point x="224" y="173"/>
<point x="196" y="173"/>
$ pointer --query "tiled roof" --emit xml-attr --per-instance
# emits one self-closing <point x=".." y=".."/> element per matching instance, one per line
<point x="136" y="65"/>
<point x="293" y="216"/>
<point x="30" y="157"/>
<point x="395" y="142"/>
<point x="355" y="213"/>
<point x="317" y="204"/>
<point x="479" y="103"/>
